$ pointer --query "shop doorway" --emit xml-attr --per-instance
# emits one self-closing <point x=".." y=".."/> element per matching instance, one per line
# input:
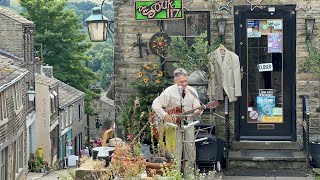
<point x="266" y="45"/>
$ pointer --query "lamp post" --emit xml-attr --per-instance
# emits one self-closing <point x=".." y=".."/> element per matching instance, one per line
<point x="99" y="27"/>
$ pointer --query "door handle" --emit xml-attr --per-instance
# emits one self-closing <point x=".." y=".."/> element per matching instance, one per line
<point x="242" y="117"/>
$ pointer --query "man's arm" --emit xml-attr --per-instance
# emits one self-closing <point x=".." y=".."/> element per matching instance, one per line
<point x="196" y="103"/>
<point x="160" y="102"/>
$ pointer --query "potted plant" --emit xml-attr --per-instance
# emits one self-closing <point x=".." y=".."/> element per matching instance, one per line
<point x="127" y="161"/>
<point x="163" y="146"/>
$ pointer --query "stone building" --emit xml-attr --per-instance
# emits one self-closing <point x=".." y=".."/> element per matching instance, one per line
<point x="260" y="33"/>
<point x="104" y="114"/>
<point x="72" y="121"/>
<point x="47" y="124"/>
<point x="17" y="78"/>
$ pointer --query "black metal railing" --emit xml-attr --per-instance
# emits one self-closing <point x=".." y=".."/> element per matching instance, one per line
<point x="305" y="127"/>
<point x="227" y="133"/>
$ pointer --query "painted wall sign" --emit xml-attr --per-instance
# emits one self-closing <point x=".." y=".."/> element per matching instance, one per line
<point x="265" y="67"/>
<point x="155" y="10"/>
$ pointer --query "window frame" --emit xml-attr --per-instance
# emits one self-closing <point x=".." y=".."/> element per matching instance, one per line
<point x="3" y="108"/>
<point x="17" y="97"/>
<point x="167" y="62"/>
<point x="4" y="163"/>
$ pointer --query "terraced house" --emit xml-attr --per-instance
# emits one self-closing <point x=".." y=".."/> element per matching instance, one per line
<point x="17" y="113"/>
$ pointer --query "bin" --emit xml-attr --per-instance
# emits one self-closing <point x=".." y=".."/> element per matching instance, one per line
<point x="315" y="153"/>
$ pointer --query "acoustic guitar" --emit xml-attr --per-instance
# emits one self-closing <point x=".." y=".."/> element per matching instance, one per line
<point x="178" y="115"/>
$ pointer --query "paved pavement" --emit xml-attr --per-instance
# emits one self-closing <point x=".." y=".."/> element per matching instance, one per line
<point x="51" y="176"/>
<point x="58" y="174"/>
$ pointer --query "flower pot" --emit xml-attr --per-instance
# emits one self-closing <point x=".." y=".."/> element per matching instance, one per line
<point x="152" y="168"/>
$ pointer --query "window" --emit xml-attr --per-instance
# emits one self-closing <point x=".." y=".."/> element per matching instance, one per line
<point x="80" y="111"/>
<point x="62" y="120"/>
<point x="3" y="108"/>
<point x="192" y="26"/>
<point x="70" y="114"/>
<point x="19" y="153"/>
<point x="54" y="141"/>
<point x="17" y="96"/>
<point x="66" y="117"/>
<point x="4" y="164"/>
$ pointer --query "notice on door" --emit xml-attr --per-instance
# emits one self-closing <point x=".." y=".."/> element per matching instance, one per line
<point x="265" y="67"/>
<point x="272" y="119"/>
<point x="274" y="43"/>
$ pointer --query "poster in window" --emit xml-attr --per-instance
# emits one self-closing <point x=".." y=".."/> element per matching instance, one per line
<point x="274" y="43"/>
<point x="265" y="104"/>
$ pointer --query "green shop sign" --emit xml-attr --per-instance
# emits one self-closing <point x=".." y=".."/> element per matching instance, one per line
<point x="156" y="10"/>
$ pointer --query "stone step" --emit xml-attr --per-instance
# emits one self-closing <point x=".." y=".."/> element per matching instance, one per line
<point x="278" y="159"/>
<point x="259" y="145"/>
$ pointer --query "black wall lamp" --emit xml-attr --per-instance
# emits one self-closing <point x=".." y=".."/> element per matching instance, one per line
<point x="221" y="24"/>
<point x="309" y="28"/>
<point x="98" y="25"/>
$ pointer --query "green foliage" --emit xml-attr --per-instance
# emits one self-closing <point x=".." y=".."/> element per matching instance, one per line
<point x="149" y="84"/>
<point x="60" y="32"/>
<point x="313" y="61"/>
<point x="191" y="57"/>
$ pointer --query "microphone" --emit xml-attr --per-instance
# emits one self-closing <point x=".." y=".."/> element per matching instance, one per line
<point x="180" y="90"/>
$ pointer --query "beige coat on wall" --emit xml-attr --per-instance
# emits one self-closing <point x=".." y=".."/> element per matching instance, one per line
<point x="226" y="75"/>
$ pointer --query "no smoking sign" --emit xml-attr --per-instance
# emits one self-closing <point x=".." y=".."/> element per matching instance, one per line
<point x="253" y="115"/>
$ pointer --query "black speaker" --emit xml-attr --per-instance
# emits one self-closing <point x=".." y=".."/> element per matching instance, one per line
<point x="209" y="151"/>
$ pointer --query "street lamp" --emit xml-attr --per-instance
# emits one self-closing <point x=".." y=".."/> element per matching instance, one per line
<point x="98" y="27"/>
<point x="221" y="24"/>
<point x="31" y="93"/>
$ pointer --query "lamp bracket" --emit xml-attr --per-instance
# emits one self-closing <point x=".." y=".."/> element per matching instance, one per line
<point x="305" y="7"/>
<point x="140" y="44"/>
<point x="226" y="7"/>
<point x="253" y="6"/>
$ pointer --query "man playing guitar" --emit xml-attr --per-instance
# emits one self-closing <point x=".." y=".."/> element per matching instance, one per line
<point x="183" y="96"/>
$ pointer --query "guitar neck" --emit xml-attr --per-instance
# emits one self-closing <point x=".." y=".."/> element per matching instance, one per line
<point x="191" y="111"/>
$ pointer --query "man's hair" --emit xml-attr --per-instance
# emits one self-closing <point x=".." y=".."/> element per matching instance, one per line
<point x="179" y="72"/>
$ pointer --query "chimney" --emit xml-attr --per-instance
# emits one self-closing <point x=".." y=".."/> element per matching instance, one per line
<point x="47" y="70"/>
<point x="38" y="64"/>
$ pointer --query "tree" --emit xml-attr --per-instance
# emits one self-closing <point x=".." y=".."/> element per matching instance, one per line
<point x="60" y="32"/>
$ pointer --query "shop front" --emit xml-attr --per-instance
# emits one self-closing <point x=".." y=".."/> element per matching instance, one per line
<point x="265" y="40"/>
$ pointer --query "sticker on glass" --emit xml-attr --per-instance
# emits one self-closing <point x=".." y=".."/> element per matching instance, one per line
<point x="265" y="67"/>
<point x="254" y="34"/>
<point x="266" y="92"/>
<point x="253" y="115"/>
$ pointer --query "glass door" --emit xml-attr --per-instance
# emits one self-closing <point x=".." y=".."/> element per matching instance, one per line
<point x="266" y="49"/>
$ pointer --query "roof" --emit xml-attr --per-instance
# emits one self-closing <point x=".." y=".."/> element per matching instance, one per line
<point x="107" y="100"/>
<point x="43" y="79"/>
<point x="68" y="94"/>
<point x="14" y="16"/>
<point x="9" y="73"/>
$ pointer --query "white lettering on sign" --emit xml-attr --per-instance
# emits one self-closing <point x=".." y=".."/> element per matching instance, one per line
<point x="265" y="67"/>
<point x="266" y="92"/>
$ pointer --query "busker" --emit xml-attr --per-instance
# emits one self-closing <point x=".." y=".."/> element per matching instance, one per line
<point x="180" y="95"/>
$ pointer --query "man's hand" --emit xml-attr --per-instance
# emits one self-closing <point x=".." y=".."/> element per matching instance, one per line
<point x="198" y="112"/>
<point x="169" y="118"/>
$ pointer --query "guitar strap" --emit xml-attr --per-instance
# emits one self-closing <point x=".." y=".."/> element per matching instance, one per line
<point x="195" y="96"/>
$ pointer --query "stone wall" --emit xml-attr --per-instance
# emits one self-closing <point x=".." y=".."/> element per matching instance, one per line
<point x="127" y="63"/>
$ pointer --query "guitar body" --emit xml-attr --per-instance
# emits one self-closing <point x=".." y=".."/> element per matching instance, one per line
<point x="156" y="121"/>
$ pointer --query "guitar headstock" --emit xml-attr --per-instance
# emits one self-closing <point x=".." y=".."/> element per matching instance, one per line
<point x="212" y="104"/>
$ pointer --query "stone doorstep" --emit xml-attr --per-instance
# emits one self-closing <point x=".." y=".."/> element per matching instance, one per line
<point x="258" y="145"/>
<point x="267" y="155"/>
